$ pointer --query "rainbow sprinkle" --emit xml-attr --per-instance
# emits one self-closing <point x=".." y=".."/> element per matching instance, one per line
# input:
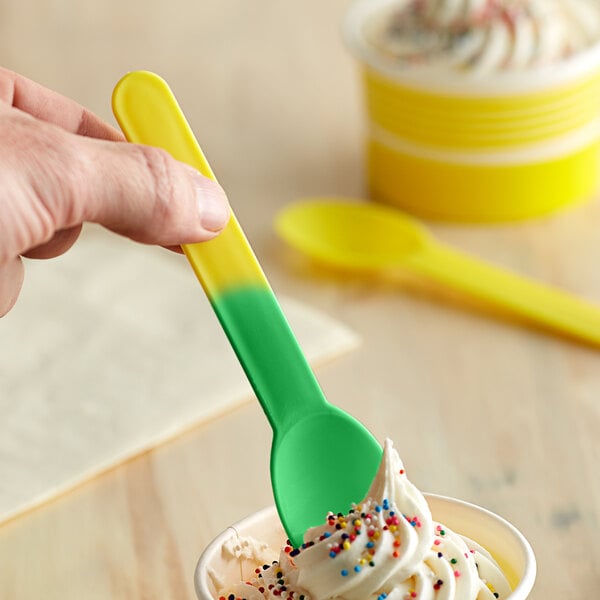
<point x="353" y="526"/>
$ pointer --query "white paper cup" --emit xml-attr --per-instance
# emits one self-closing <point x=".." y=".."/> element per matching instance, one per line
<point x="216" y="569"/>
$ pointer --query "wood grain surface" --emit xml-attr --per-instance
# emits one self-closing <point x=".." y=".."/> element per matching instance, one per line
<point x="481" y="407"/>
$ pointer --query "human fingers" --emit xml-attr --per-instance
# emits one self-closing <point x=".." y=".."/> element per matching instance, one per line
<point x="152" y="198"/>
<point x="54" y="180"/>
<point x="11" y="280"/>
<point x="177" y="249"/>
<point x="50" y="106"/>
<point x="58" y="244"/>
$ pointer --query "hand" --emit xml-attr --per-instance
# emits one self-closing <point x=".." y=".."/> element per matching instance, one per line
<point x="61" y="165"/>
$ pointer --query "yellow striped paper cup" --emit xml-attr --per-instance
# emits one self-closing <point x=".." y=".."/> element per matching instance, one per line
<point x="496" y="147"/>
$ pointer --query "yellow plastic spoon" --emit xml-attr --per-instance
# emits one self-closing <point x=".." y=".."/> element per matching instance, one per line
<point x="321" y="457"/>
<point x="375" y="237"/>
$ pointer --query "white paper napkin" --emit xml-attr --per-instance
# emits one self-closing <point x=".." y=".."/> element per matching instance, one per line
<point x="112" y="349"/>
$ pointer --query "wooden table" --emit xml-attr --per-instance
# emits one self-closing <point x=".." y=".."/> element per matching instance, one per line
<point x="480" y="407"/>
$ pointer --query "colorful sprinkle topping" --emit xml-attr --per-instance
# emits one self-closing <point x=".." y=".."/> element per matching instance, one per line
<point x="362" y="522"/>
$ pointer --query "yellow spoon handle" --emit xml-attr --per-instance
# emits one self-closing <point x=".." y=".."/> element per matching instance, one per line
<point x="540" y="303"/>
<point x="148" y="113"/>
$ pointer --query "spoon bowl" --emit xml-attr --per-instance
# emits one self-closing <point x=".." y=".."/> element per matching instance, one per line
<point x="301" y="462"/>
<point x="351" y="234"/>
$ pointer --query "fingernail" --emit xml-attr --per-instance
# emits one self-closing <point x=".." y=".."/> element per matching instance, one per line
<point x="212" y="203"/>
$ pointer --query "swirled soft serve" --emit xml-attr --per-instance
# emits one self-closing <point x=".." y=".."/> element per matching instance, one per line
<point x="386" y="547"/>
<point x="484" y="35"/>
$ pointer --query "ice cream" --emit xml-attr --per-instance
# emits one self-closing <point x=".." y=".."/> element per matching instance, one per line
<point x="483" y="35"/>
<point x="386" y="547"/>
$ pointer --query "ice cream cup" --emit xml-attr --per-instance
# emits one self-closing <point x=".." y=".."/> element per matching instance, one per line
<point x="507" y="545"/>
<point x="493" y="147"/>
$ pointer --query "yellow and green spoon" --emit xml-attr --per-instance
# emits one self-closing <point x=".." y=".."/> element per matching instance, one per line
<point x="322" y="459"/>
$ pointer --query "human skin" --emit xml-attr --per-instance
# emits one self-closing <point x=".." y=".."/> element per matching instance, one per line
<point x="61" y="166"/>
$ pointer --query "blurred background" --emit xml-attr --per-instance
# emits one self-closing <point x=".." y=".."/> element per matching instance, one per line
<point x="481" y="407"/>
<point x="254" y="75"/>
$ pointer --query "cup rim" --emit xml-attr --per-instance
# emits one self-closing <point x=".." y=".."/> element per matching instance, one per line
<point x="524" y="586"/>
<point x="571" y="69"/>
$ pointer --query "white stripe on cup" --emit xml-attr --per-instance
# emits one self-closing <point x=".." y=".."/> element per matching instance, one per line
<point x="531" y="153"/>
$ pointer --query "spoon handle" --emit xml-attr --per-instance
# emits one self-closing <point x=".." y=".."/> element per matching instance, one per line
<point x="226" y="266"/>
<point x="540" y="303"/>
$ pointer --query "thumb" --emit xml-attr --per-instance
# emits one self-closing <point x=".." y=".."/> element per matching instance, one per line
<point x="55" y="180"/>
<point x="145" y="194"/>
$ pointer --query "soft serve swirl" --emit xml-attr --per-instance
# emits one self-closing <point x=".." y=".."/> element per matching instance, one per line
<point x="386" y="547"/>
<point x="485" y="35"/>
